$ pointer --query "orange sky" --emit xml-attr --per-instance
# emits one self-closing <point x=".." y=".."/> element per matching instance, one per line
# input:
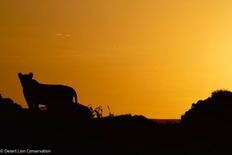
<point x="153" y="57"/>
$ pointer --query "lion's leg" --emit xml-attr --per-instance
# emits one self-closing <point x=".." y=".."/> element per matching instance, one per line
<point x="30" y="106"/>
<point x="29" y="102"/>
<point x="36" y="107"/>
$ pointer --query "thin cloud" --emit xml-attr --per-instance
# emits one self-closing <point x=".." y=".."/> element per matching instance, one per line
<point x="62" y="35"/>
<point x="59" y="34"/>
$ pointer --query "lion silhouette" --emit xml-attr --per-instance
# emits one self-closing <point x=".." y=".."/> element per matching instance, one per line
<point x="54" y="97"/>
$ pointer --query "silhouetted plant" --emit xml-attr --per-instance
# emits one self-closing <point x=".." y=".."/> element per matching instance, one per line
<point x="97" y="112"/>
<point x="110" y="114"/>
<point x="83" y="111"/>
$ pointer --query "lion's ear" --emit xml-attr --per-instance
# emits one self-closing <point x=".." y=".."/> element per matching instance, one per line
<point x="20" y="74"/>
<point x="31" y="75"/>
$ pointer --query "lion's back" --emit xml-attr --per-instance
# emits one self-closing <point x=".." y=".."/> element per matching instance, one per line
<point x="55" y="95"/>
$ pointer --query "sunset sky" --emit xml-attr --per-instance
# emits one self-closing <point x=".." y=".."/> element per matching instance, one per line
<point x="149" y="57"/>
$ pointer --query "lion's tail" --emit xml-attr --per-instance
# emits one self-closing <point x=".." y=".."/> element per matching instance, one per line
<point x="75" y="97"/>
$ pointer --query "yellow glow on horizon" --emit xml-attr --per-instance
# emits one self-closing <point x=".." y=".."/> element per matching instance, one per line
<point x="153" y="57"/>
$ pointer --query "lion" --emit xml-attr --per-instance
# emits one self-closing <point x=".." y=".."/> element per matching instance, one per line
<point x="54" y="97"/>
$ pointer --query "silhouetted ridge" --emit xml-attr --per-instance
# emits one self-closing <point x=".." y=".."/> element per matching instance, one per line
<point x="215" y="109"/>
<point x="8" y="105"/>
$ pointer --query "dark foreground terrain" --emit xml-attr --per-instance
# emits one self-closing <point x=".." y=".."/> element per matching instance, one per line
<point x="205" y="129"/>
<point x="126" y="134"/>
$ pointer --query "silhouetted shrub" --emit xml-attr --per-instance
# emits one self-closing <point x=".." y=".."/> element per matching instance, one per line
<point x="97" y="112"/>
<point x="75" y="111"/>
<point x="82" y="111"/>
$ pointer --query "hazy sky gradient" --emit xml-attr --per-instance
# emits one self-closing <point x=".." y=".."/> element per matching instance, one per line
<point x="153" y="57"/>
